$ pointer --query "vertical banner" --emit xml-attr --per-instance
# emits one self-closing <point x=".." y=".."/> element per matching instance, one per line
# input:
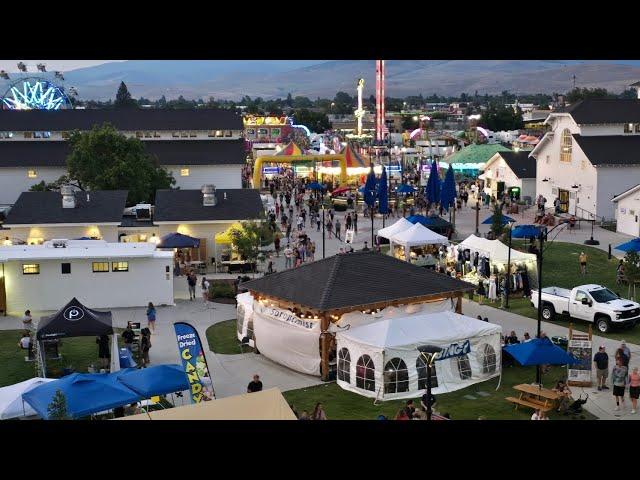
<point x="580" y="373"/>
<point x="194" y="362"/>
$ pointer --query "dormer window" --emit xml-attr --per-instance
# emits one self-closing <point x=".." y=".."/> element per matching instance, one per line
<point x="566" y="146"/>
<point x="628" y="128"/>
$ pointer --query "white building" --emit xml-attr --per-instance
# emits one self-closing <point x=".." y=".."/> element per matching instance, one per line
<point x="510" y="172"/>
<point x="99" y="274"/>
<point x="627" y="208"/>
<point x="196" y="146"/>
<point x="591" y="154"/>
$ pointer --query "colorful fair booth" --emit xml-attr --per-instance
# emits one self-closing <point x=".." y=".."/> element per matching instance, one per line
<point x="295" y="312"/>
<point x="381" y="360"/>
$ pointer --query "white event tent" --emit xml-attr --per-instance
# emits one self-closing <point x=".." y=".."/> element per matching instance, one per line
<point x="381" y="360"/>
<point x="497" y="251"/>
<point x="400" y="226"/>
<point x="417" y="235"/>
<point x="11" y="403"/>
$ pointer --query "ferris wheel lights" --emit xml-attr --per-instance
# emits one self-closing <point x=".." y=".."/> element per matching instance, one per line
<point x="22" y="67"/>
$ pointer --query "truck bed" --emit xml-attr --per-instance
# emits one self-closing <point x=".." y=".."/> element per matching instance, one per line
<point x="557" y="291"/>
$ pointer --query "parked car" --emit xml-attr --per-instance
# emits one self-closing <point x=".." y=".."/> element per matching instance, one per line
<point x="592" y="303"/>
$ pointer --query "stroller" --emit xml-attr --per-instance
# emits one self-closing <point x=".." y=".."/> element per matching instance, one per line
<point x="576" y="407"/>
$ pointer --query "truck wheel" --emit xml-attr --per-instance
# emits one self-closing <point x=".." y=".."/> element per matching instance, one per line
<point x="548" y="312"/>
<point x="603" y="324"/>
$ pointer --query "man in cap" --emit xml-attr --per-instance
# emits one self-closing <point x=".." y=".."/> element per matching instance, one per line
<point x="627" y="352"/>
<point x="601" y="361"/>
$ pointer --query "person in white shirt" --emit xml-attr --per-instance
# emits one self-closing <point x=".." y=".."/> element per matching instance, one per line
<point x="25" y="341"/>
<point x="27" y="320"/>
<point x="539" y="415"/>
<point x="288" y="252"/>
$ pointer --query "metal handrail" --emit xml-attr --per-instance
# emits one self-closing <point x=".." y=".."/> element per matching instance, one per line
<point x="591" y="216"/>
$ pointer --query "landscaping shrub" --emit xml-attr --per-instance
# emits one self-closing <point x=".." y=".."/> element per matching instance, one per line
<point x="221" y="290"/>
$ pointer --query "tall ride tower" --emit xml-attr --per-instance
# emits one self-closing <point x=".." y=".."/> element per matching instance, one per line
<point x="380" y="125"/>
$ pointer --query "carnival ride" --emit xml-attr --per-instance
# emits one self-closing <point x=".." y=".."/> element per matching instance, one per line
<point x="36" y="92"/>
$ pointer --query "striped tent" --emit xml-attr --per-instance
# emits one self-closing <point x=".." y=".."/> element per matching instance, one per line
<point x="353" y="158"/>
<point x="291" y="149"/>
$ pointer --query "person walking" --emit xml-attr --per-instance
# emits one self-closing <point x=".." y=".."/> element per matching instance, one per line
<point x="634" y="388"/>
<point x="601" y="361"/>
<point x="583" y="263"/>
<point x="355" y="221"/>
<point x="204" y="285"/>
<point x="626" y="351"/>
<point x="151" y="317"/>
<point x="192" y="280"/>
<point x="300" y="223"/>
<point x="145" y="346"/>
<point x="276" y="244"/>
<point x="338" y="226"/>
<point x="329" y="227"/>
<point x="288" y="252"/>
<point x="619" y="376"/>
<point x="288" y="230"/>
<point x="27" y="320"/>
<point x="348" y="221"/>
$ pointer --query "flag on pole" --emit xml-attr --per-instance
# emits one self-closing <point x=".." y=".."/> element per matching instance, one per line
<point x="194" y="362"/>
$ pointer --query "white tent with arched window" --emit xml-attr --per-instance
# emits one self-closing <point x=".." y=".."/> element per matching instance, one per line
<point x="381" y="360"/>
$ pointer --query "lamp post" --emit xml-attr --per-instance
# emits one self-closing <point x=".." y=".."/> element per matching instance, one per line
<point x="477" y="217"/>
<point x="591" y="241"/>
<point x="323" y="227"/>
<point x="429" y="354"/>
<point x="507" y="280"/>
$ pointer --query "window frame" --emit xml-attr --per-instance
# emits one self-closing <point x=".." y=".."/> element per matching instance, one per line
<point x="32" y="173"/>
<point x="120" y="267"/>
<point x="463" y="365"/>
<point x="628" y="127"/>
<point x="566" y="146"/>
<point x="364" y="382"/>
<point x="488" y="352"/>
<point x="343" y="370"/>
<point x="421" y="368"/>
<point x="93" y="267"/>
<point x="395" y="375"/>
<point x="183" y="170"/>
<point x="62" y="265"/>
<point x="35" y="266"/>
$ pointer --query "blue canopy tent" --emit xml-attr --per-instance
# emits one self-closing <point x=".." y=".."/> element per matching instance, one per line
<point x="435" y="224"/>
<point x="504" y="220"/>
<point x="404" y="188"/>
<point x="178" y="240"/>
<point x="540" y="351"/>
<point x="526" y="231"/>
<point x="630" y="246"/>
<point x="85" y="393"/>
<point x="155" y="380"/>
<point x="315" y="186"/>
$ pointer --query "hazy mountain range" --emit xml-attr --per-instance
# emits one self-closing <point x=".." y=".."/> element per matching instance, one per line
<point x="231" y="79"/>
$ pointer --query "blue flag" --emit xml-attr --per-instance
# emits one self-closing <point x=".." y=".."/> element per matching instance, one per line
<point x="194" y="362"/>
<point x="370" y="189"/>
<point x="383" y="193"/>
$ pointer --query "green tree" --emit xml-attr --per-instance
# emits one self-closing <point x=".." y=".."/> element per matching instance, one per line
<point x="57" y="409"/>
<point x="104" y="159"/>
<point x="578" y="93"/>
<point x="123" y="98"/>
<point x="497" y="228"/>
<point x="248" y="239"/>
<point x="316" y="122"/>
<point x="289" y="100"/>
<point x="632" y="271"/>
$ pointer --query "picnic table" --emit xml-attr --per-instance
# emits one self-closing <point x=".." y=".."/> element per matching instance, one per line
<point x="535" y="397"/>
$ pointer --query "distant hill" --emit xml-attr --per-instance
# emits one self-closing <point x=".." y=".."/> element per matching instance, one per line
<point x="231" y="79"/>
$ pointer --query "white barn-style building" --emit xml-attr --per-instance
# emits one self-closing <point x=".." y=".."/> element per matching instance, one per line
<point x="510" y="172"/>
<point x="102" y="274"/>
<point x="627" y="208"/>
<point x="590" y="155"/>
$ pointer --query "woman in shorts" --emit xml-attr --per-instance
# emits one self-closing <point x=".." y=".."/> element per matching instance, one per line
<point x="634" y="388"/>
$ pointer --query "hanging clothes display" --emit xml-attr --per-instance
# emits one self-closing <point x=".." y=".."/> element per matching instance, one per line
<point x="526" y="287"/>
<point x="493" y="289"/>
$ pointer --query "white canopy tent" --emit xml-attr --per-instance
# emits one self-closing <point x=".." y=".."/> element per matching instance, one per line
<point x="417" y="235"/>
<point x="11" y="403"/>
<point x="497" y="251"/>
<point x="381" y="360"/>
<point x="400" y="226"/>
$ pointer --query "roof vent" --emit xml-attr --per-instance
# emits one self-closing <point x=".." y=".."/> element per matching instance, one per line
<point x="209" y="195"/>
<point x="68" y="196"/>
<point x="143" y="211"/>
<point x="59" y="243"/>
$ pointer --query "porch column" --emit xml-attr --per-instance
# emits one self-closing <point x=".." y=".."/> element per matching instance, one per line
<point x="324" y="347"/>
<point x="459" y="304"/>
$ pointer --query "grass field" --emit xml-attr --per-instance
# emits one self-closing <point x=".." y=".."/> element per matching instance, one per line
<point x="340" y="404"/>
<point x="561" y="268"/>
<point x="77" y="353"/>
<point x="222" y="338"/>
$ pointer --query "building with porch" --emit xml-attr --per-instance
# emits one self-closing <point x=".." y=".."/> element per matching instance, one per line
<point x="510" y="172"/>
<point x="627" y="211"/>
<point x="589" y="156"/>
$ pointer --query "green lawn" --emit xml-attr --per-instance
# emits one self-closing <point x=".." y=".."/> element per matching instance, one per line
<point x="340" y="404"/>
<point x="77" y="353"/>
<point x="222" y="338"/>
<point x="561" y="268"/>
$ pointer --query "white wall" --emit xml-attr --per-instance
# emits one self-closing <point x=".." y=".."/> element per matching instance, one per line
<point x="222" y="176"/>
<point x="14" y="180"/>
<point x="612" y="181"/>
<point x="628" y="214"/>
<point x="205" y="231"/>
<point x="109" y="233"/>
<point x="146" y="281"/>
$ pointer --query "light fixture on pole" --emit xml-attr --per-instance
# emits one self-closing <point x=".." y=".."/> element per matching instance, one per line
<point x="323" y="227"/>
<point x="508" y="272"/>
<point x="429" y="354"/>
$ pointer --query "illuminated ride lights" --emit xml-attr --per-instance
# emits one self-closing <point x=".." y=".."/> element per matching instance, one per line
<point x="35" y="94"/>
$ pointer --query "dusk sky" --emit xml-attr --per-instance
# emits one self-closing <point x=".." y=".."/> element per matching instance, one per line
<point x="62" y="65"/>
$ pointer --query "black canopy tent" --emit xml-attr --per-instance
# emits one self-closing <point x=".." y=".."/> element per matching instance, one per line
<point x="74" y="320"/>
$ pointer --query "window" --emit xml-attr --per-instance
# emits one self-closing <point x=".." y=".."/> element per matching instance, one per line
<point x="65" y="135"/>
<point x="251" y="132"/>
<point x="628" y="128"/>
<point x="637" y="127"/>
<point x="396" y="376"/>
<point x="148" y="135"/>
<point x="175" y="134"/>
<point x="139" y="135"/>
<point x="66" y="268"/>
<point x="31" y="269"/>
<point x="566" y="143"/>
<point x="28" y="134"/>
<point x="365" y="373"/>
<point x="37" y="134"/>
<point x="228" y="133"/>
<point x="275" y="132"/>
<point x="218" y="133"/>
<point x="184" y="172"/>
<point x="100" y="267"/>
<point x="489" y="359"/>
<point x="263" y="132"/>
<point x="120" y="266"/>
<point x="580" y="295"/>
<point x="212" y="133"/>
<point x="32" y="174"/>
<point x="46" y="134"/>
<point x="184" y="134"/>
<point x="344" y="365"/>
<point x="193" y="134"/>
<point x="421" y="367"/>
<point x="464" y="367"/>
<point x="156" y="134"/>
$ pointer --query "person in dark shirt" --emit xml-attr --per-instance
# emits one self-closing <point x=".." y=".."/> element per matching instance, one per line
<point x="255" y="385"/>
<point x="601" y="361"/>
<point x="410" y="409"/>
<point x="104" y="353"/>
<point x="365" y="248"/>
<point x="128" y="337"/>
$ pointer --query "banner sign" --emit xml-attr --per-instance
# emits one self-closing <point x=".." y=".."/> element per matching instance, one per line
<point x="581" y="350"/>
<point x="287" y="317"/>
<point x="194" y="362"/>
<point x="455" y="350"/>
<point x="270" y="170"/>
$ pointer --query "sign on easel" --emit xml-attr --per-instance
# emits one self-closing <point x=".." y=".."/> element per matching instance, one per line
<point x="581" y="347"/>
<point x="349" y="236"/>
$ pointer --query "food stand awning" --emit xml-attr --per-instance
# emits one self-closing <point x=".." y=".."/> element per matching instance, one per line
<point x="400" y="226"/>
<point x="418" y="235"/>
<point x="75" y="320"/>
<point x="178" y="240"/>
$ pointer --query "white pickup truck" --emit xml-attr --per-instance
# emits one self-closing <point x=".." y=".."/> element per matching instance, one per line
<point x="593" y="303"/>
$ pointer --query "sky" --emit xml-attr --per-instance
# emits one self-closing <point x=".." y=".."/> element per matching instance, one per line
<point x="62" y="65"/>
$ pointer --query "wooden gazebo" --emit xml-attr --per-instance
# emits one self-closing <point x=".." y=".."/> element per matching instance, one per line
<point x="365" y="281"/>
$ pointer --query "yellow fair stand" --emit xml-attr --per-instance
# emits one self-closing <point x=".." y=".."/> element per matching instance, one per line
<point x="257" y="168"/>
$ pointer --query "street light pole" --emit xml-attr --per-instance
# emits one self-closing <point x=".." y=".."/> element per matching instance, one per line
<point x="507" y="279"/>
<point x="323" y="228"/>
<point x="429" y="353"/>
<point x="541" y="238"/>
<point x="477" y="217"/>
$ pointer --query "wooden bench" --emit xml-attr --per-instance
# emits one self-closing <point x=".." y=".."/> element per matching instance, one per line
<point x="530" y="402"/>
